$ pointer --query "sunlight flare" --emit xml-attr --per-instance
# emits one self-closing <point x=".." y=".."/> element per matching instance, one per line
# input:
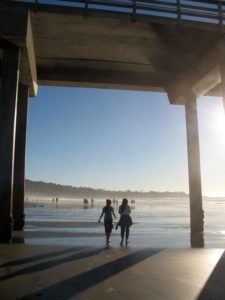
<point x="219" y="125"/>
<point x="216" y="256"/>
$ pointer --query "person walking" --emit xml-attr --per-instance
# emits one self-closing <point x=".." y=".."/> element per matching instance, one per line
<point x="108" y="211"/>
<point x="125" y="220"/>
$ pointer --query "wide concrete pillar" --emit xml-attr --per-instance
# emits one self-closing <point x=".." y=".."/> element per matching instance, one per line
<point x="8" y="104"/>
<point x="195" y="190"/>
<point x="19" y="161"/>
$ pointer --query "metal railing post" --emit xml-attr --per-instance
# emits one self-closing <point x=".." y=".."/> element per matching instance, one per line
<point x="133" y="18"/>
<point x="178" y="11"/>
<point x="220" y="13"/>
<point x="86" y="9"/>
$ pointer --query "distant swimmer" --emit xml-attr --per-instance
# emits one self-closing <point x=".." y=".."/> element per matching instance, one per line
<point x="108" y="211"/>
<point x="125" y="220"/>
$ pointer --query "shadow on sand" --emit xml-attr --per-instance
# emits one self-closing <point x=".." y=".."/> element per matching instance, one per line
<point x="53" y="263"/>
<point x="40" y="256"/>
<point x="79" y="283"/>
<point x="215" y="286"/>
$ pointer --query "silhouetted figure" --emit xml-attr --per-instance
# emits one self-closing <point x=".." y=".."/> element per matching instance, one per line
<point x="92" y="203"/>
<point x="85" y="203"/>
<point x="116" y="204"/>
<point x="125" y="220"/>
<point x="107" y="211"/>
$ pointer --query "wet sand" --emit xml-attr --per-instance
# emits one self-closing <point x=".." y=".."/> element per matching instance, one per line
<point x="64" y="272"/>
<point x="63" y="224"/>
<point x="44" y="229"/>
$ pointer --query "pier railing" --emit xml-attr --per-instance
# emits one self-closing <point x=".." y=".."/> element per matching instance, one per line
<point x="209" y="11"/>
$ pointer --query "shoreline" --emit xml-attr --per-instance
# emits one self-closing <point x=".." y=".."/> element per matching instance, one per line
<point x="63" y="223"/>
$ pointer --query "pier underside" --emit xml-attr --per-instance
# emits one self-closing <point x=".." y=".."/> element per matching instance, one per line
<point x="62" y="49"/>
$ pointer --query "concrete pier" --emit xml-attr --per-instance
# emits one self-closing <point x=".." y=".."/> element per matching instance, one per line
<point x="195" y="191"/>
<point x="8" y="105"/>
<point x="59" y="47"/>
<point x="19" y="164"/>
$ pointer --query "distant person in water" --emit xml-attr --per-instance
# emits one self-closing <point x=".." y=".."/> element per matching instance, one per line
<point x="125" y="220"/>
<point x="108" y="211"/>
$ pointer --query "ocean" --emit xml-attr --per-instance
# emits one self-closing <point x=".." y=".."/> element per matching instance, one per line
<point x="156" y="223"/>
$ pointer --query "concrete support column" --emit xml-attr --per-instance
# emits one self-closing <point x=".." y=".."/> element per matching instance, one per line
<point x="19" y="161"/>
<point x="195" y="190"/>
<point x="8" y="104"/>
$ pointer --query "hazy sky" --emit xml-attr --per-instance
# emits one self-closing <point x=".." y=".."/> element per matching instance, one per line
<point x="121" y="140"/>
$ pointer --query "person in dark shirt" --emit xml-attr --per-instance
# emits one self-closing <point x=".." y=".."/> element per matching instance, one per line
<point x="108" y="211"/>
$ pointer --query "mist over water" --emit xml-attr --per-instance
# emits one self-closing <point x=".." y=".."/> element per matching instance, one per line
<point x="157" y="222"/>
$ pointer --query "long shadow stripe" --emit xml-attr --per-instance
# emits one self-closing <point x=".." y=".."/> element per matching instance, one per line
<point x="40" y="256"/>
<point x="77" y="284"/>
<point x="52" y="263"/>
<point x="215" y="285"/>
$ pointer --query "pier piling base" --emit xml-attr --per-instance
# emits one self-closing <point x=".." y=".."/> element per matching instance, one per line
<point x="8" y="106"/>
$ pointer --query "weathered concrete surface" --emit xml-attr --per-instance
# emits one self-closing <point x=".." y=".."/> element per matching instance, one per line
<point x="66" y="49"/>
<point x="109" y="53"/>
<point x="8" y="108"/>
<point x="15" y="28"/>
<point x="51" y="272"/>
<point x="19" y="160"/>
<point x="195" y="189"/>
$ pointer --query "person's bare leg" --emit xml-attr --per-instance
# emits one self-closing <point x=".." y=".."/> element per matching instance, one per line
<point x="127" y="234"/>
<point x="122" y="235"/>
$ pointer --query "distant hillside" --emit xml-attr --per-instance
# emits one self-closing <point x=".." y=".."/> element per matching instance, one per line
<point x="43" y="189"/>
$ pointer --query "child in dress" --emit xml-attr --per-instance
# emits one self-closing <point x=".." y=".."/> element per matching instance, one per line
<point x="108" y="211"/>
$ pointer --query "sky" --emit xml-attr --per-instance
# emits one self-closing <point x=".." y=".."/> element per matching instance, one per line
<point x="121" y="140"/>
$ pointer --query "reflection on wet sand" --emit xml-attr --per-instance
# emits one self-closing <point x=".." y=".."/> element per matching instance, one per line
<point x="197" y="239"/>
<point x="197" y="230"/>
<point x="18" y="240"/>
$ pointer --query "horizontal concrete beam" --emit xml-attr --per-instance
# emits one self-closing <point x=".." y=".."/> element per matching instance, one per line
<point x="201" y="78"/>
<point x="15" y="28"/>
<point x="99" y="78"/>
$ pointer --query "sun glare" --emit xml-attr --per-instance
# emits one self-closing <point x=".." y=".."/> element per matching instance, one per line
<point x="219" y="125"/>
<point x="216" y="255"/>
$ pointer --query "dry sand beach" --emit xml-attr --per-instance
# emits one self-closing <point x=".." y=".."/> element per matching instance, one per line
<point x="62" y="272"/>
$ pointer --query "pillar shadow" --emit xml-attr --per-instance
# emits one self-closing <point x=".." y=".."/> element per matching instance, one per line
<point x="17" y="240"/>
<point x="52" y="263"/>
<point x="40" y="256"/>
<point x="215" y="286"/>
<point x="75" y="285"/>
